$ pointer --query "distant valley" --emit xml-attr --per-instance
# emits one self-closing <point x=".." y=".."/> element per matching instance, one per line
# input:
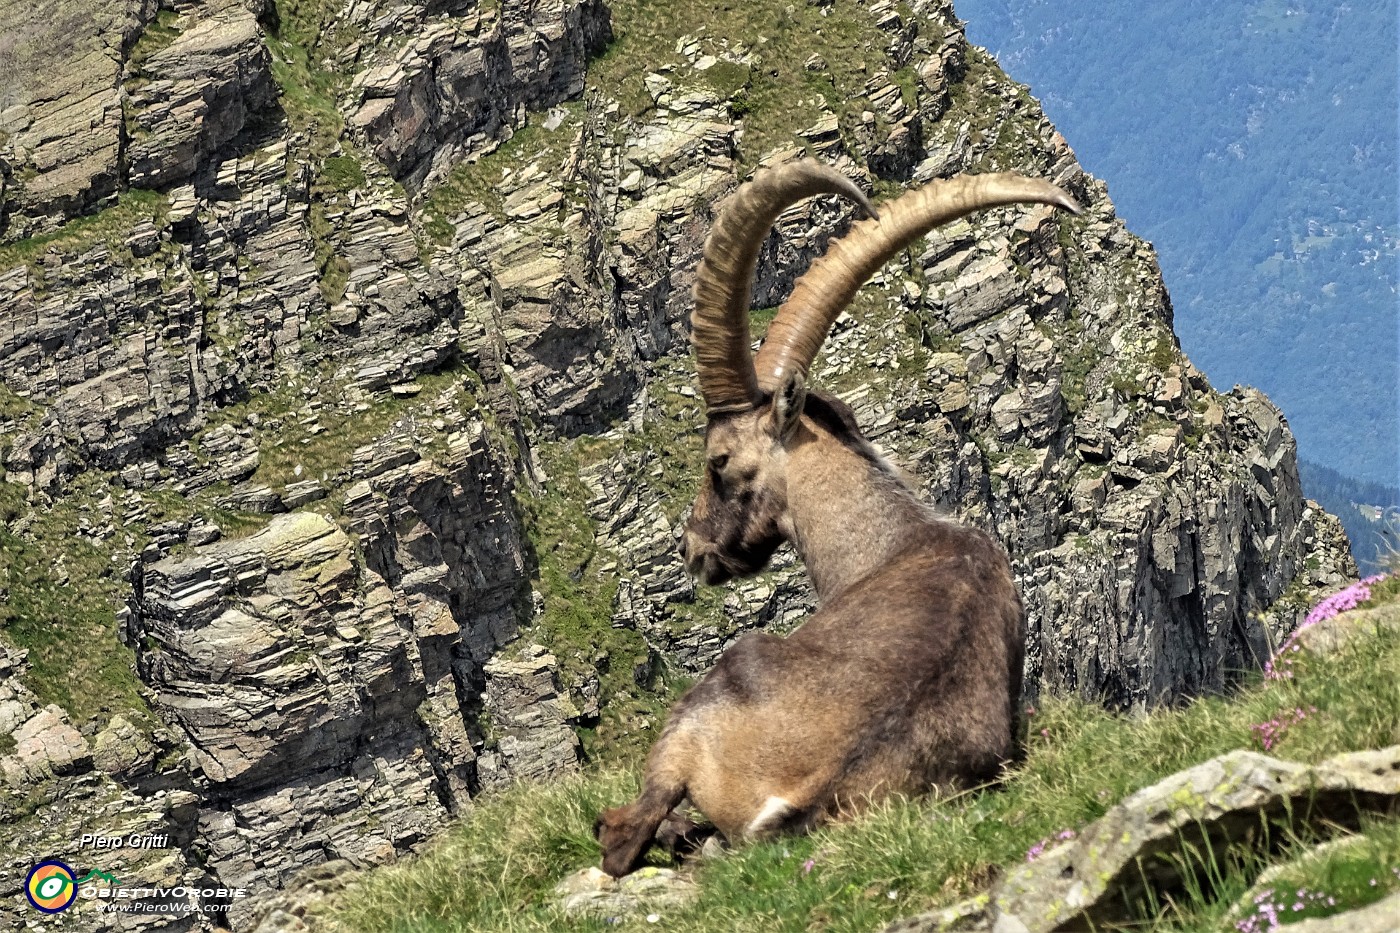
<point x="1255" y="146"/>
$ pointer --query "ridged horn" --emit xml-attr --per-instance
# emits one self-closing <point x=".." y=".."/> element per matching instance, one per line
<point x="831" y="283"/>
<point x="720" y="321"/>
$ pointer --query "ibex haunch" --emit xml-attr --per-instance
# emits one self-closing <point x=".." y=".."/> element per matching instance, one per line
<point x="909" y="675"/>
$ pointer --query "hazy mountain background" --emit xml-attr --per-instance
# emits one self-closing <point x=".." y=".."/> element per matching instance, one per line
<point x="1255" y="145"/>
<point x="1370" y="513"/>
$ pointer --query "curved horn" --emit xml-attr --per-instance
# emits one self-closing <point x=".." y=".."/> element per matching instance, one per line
<point x="833" y="280"/>
<point x="720" y="322"/>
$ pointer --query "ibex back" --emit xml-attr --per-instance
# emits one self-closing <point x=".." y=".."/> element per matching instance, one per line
<point x="908" y="677"/>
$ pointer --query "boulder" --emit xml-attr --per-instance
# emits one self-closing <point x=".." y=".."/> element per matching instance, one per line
<point x="1091" y="881"/>
<point x="648" y="890"/>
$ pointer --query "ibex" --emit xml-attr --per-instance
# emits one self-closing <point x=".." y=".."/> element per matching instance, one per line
<point x="908" y="677"/>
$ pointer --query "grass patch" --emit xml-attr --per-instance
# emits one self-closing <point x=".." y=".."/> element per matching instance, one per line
<point x="578" y="580"/>
<point x="158" y="35"/>
<point x="491" y="871"/>
<point x="672" y="437"/>
<point x="308" y="36"/>
<point x="576" y="619"/>
<point x="1354" y="874"/>
<point x="308" y="33"/>
<point x="1383" y="592"/>
<point x="110" y="227"/>
<point x="760" y="319"/>
<point x="1080" y="356"/>
<point x="777" y="95"/>
<point x="62" y="589"/>
<point x="480" y="182"/>
<point x="335" y="269"/>
<point x="1164" y="354"/>
<point x="343" y="173"/>
<point x="13" y="406"/>
<point x="511" y="857"/>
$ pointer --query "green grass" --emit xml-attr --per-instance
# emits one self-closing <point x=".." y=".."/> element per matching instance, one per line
<point x="1360" y="871"/>
<point x="159" y="34"/>
<point x="1080" y="355"/>
<point x="343" y="173"/>
<point x="1384" y="591"/>
<point x="1309" y="876"/>
<point x="13" y="406"/>
<point x="62" y="590"/>
<point x="576" y="621"/>
<point x="492" y="871"/>
<point x="491" y="879"/>
<point x="777" y="96"/>
<point x="110" y="227"/>
<point x="480" y="181"/>
<point x="310" y="34"/>
<point x="1164" y="353"/>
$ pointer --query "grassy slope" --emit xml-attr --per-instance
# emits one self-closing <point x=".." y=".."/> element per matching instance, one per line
<point x="493" y="871"/>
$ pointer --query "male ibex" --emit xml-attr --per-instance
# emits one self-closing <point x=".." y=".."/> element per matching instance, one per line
<point x="909" y="675"/>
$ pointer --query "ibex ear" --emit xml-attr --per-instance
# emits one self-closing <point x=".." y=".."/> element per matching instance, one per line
<point x="787" y="404"/>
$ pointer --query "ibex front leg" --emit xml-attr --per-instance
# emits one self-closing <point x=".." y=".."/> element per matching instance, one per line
<point x="627" y="832"/>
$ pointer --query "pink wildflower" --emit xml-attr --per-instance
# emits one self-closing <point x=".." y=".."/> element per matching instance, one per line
<point x="1337" y="603"/>
<point x="1271" y="733"/>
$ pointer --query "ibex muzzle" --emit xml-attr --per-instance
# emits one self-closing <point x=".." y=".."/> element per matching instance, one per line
<point x="909" y="675"/>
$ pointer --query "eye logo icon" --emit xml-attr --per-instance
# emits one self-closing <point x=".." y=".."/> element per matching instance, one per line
<point x="51" y="886"/>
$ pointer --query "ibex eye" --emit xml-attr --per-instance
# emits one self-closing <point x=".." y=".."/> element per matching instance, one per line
<point x="719" y="463"/>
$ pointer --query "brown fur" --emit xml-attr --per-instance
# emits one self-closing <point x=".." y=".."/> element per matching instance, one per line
<point x="907" y="678"/>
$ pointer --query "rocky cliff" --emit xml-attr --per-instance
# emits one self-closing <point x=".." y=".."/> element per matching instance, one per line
<point x="347" y="419"/>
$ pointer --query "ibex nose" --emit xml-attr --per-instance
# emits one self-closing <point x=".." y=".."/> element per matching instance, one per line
<point x="682" y="541"/>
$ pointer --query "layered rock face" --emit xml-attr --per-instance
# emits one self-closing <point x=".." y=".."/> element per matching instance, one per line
<point x="334" y="361"/>
<point x="196" y="95"/>
<point x="61" y="130"/>
<point x="343" y="661"/>
<point x="457" y="83"/>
